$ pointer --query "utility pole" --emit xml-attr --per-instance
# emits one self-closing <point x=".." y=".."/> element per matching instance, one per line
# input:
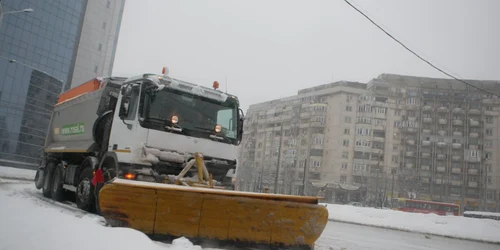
<point x="279" y="160"/>
<point x="393" y="172"/>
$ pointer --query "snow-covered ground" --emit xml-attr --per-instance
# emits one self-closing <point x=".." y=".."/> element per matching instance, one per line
<point x="29" y="222"/>
<point x="17" y="173"/>
<point x="450" y="226"/>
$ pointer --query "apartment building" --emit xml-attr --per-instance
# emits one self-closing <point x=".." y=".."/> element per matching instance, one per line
<point x="442" y="138"/>
<point x="296" y="140"/>
<point x="397" y="136"/>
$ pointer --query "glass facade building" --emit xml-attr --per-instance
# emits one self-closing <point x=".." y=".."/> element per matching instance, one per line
<point x="39" y="54"/>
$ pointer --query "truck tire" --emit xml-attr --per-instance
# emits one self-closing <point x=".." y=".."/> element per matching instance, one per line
<point x="58" y="192"/>
<point x="39" y="178"/>
<point x="85" y="191"/>
<point x="47" y="180"/>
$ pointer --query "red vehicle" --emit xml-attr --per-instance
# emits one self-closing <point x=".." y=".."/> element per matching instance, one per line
<point x="425" y="207"/>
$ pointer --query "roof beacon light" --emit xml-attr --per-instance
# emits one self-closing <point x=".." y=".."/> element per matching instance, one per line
<point x="215" y="85"/>
<point x="165" y="71"/>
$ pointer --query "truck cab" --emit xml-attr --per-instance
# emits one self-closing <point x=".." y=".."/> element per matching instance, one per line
<point x="161" y="122"/>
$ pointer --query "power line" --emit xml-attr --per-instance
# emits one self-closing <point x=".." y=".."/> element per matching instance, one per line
<point x="417" y="55"/>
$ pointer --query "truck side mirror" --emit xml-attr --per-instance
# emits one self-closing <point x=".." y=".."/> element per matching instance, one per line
<point x="241" y="118"/>
<point x="124" y="106"/>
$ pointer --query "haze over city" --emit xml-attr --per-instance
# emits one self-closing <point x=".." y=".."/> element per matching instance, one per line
<point x="271" y="49"/>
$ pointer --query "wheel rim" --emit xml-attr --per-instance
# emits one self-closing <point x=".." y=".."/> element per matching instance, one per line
<point x="83" y="190"/>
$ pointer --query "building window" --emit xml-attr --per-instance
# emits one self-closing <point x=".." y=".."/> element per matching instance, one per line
<point x="108" y="3"/>
<point x="347" y="131"/>
<point x="487" y="155"/>
<point x="348" y="108"/>
<point x="489" y="108"/>
<point x="343" y="166"/>
<point x="395" y="147"/>
<point x="103" y="25"/>
<point x="343" y="179"/>
<point x="489" y="119"/>
<point x="345" y="143"/>
<point x="488" y="144"/>
<point x="99" y="47"/>
<point x="397" y="124"/>
<point x="316" y="164"/>
<point x="395" y="159"/>
<point x="363" y="131"/>
<point x="96" y="68"/>
<point x="345" y="155"/>
<point x="489" y="167"/>
<point x="489" y="132"/>
<point x="489" y="180"/>
<point x="347" y="119"/>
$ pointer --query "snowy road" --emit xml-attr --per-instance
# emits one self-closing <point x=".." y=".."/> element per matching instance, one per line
<point x="26" y="214"/>
<point x="354" y="237"/>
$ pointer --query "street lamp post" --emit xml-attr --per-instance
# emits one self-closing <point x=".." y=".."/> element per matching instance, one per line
<point x="2" y="13"/>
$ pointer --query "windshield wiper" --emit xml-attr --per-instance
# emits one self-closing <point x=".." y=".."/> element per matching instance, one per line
<point x="219" y="137"/>
<point x="168" y="125"/>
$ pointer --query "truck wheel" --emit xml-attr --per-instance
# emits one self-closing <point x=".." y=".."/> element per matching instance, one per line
<point x="47" y="180"/>
<point x="58" y="193"/>
<point x="85" y="191"/>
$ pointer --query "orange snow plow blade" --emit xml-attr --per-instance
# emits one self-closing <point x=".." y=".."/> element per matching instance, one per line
<point x="238" y="218"/>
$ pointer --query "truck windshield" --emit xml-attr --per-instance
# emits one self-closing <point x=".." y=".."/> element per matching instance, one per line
<point x="196" y="115"/>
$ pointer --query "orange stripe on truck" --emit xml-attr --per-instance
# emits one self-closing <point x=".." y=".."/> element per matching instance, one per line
<point x="86" y="87"/>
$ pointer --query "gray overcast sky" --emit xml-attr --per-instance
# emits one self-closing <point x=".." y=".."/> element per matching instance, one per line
<point x="271" y="49"/>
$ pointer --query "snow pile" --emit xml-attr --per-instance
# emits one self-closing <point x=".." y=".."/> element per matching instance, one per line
<point x="450" y="226"/>
<point x="28" y="224"/>
<point x="17" y="173"/>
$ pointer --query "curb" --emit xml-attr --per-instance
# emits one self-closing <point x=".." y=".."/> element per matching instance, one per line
<point x="418" y="232"/>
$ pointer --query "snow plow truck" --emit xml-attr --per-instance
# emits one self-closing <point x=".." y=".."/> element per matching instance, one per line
<point x="158" y="155"/>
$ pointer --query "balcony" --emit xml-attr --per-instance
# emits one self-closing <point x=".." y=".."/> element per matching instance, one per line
<point x="456" y="170"/>
<point x="457" y="133"/>
<point x="473" y="147"/>
<point x="456" y="157"/>
<point x="427" y="108"/>
<point x="411" y="142"/>
<point x="442" y="132"/>
<point x="474" y="123"/>
<point x="472" y="184"/>
<point x="456" y="183"/>
<point x="441" y="156"/>
<point x="442" y="109"/>
<point x="412" y="118"/>
<point x="425" y="167"/>
<point x="426" y="155"/>
<point x="441" y="169"/>
<point x="410" y="154"/>
<point x="426" y="131"/>
<point x="410" y="165"/>
<point x="474" y="111"/>
<point x="411" y="130"/>
<point x="440" y="181"/>
<point x="426" y="143"/>
<point x="318" y="124"/>
<point x="473" y="135"/>
<point x="425" y="179"/>
<point x="441" y="144"/>
<point x="456" y="145"/>
<point x="442" y="121"/>
<point x="473" y="159"/>
<point x="458" y="110"/>
<point x="473" y="171"/>
<point x="458" y="122"/>
<point x="427" y="120"/>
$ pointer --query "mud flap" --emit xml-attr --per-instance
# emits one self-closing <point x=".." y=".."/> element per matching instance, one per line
<point x="239" y="218"/>
<point x="39" y="177"/>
